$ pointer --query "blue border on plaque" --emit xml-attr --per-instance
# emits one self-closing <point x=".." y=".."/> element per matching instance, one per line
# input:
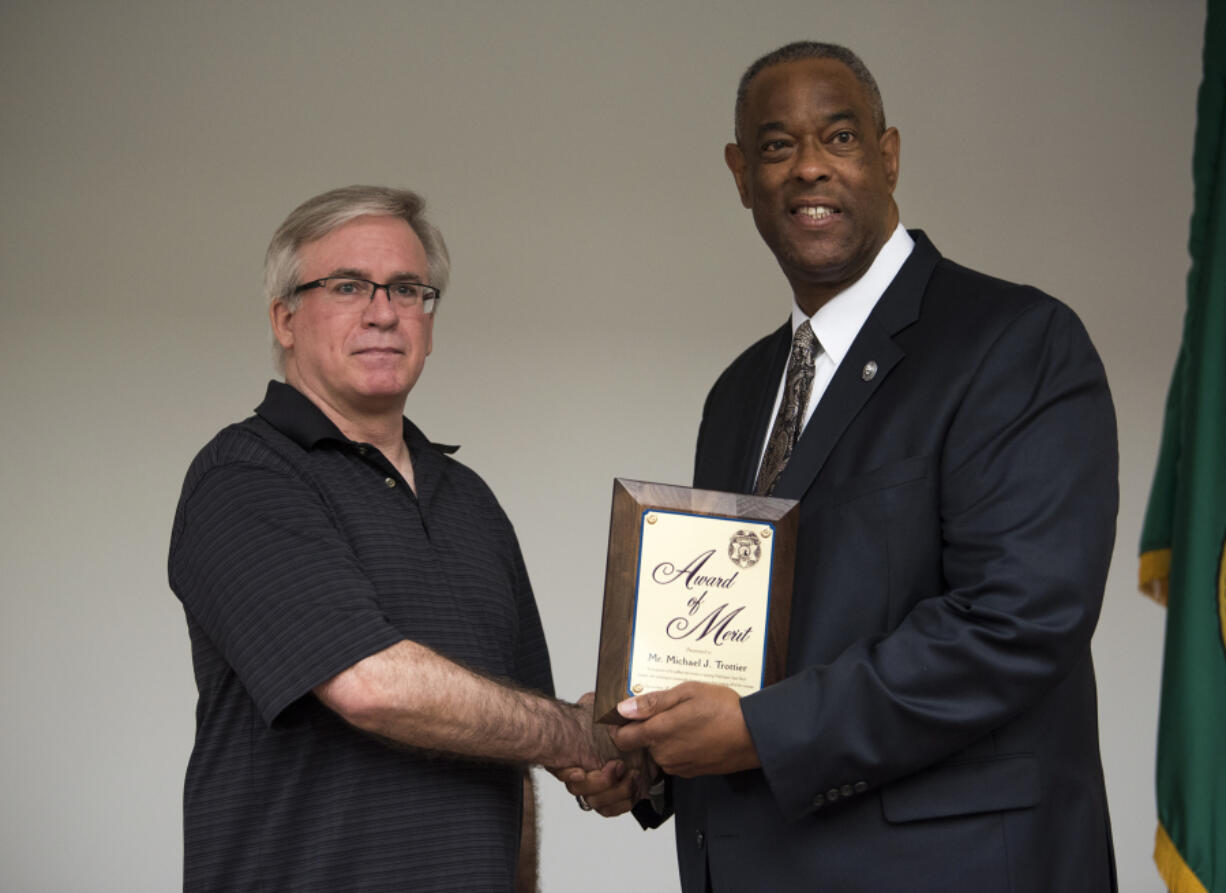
<point x="638" y="576"/>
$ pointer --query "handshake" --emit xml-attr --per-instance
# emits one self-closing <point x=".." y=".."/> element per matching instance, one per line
<point x="692" y="729"/>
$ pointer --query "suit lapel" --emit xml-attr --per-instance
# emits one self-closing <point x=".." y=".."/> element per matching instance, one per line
<point x="764" y="387"/>
<point x="852" y="386"/>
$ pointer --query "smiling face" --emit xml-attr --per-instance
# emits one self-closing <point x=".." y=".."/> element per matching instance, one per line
<point x="816" y="174"/>
<point x="356" y="362"/>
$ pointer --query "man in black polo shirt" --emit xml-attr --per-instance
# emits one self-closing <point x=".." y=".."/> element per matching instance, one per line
<point x="373" y="677"/>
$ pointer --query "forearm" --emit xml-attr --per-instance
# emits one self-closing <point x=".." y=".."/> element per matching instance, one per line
<point x="411" y="695"/>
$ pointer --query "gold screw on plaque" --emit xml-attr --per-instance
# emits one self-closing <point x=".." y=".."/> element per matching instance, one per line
<point x="637" y="689"/>
<point x="651" y="519"/>
<point x="766" y="533"/>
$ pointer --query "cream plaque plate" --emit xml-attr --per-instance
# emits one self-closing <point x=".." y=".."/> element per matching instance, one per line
<point x="702" y="602"/>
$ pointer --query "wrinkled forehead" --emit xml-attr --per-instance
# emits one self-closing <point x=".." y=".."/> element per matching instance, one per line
<point x="366" y="245"/>
<point x="808" y="91"/>
<point x="819" y="84"/>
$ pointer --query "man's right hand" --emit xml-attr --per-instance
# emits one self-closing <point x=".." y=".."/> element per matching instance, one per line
<point x="611" y="790"/>
<point x="621" y="782"/>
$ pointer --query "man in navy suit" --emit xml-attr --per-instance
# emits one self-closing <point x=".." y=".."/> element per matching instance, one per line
<point x="952" y="442"/>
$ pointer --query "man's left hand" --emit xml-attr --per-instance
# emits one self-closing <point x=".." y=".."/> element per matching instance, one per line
<point x="692" y="729"/>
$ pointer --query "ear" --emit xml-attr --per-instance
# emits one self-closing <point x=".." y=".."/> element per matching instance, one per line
<point x="281" y="318"/>
<point x="889" y="145"/>
<point x="735" y="159"/>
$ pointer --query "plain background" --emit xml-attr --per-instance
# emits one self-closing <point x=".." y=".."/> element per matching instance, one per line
<point x="604" y="273"/>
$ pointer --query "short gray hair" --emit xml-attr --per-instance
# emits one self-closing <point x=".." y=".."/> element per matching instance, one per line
<point x="811" y="49"/>
<point x="329" y="211"/>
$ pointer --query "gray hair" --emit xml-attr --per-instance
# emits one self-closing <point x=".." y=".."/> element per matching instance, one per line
<point x="329" y="211"/>
<point x="810" y="49"/>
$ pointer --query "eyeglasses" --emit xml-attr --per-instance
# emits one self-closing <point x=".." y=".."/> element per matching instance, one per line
<point x="348" y="291"/>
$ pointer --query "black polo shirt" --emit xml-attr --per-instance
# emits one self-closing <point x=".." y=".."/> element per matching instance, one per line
<point x="296" y="553"/>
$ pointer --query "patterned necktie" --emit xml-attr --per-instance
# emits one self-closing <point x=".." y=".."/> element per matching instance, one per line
<point x="790" y="418"/>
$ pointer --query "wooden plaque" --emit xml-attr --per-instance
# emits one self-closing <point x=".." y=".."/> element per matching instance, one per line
<point x="698" y="586"/>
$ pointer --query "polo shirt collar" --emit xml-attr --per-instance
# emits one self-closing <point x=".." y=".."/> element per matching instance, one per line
<point x="293" y="414"/>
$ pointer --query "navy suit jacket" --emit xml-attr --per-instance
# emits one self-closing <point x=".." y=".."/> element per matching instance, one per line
<point x="938" y="726"/>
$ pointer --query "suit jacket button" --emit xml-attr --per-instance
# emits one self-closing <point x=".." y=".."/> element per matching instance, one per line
<point x="846" y="790"/>
<point x="832" y="794"/>
<point x="818" y="802"/>
<point x="860" y="787"/>
<point x="699" y="838"/>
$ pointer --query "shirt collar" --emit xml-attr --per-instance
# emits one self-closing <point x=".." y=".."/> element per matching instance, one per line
<point x="837" y="322"/>
<point x="293" y="414"/>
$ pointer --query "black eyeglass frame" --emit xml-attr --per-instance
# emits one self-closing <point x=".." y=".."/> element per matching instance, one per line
<point x="430" y="299"/>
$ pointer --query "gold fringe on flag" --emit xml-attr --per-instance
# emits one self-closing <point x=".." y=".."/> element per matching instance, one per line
<point x="1175" y="872"/>
<point x="1156" y="575"/>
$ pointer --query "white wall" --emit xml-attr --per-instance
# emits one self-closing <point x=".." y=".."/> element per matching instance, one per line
<point x="604" y="274"/>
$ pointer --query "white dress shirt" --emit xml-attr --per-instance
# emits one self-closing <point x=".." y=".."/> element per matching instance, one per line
<point x="838" y="321"/>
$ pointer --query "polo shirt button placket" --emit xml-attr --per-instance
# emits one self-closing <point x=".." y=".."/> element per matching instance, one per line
<point x="391" y="482"/>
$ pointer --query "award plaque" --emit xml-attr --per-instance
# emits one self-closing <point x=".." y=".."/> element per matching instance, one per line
<point x="698" y="586"/>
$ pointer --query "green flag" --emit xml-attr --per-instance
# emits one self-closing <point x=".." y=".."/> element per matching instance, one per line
<point x="1183" y="543"/>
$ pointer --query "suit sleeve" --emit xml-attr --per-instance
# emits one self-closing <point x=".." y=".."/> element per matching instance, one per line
<point x="1027" y="498"/>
